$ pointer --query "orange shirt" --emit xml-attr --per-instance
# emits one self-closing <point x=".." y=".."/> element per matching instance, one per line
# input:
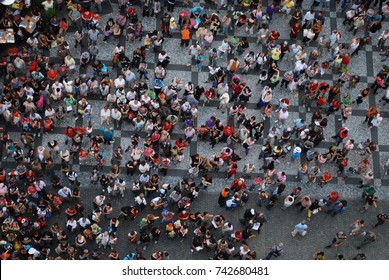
<point x="185" y="34"/>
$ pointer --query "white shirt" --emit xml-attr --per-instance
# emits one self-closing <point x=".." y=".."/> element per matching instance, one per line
<point x="55" y="86"/>
<point x="194" y="50"/>
<point x="308" y="16"/>
<point x="283" y="115"/>
<point x="64" y="192"/>
<point x="144" y="168"/>
<point x="162" y="57"/>
<point x="295" y="48"/>
<point x="99" y="200"/>
<point x="224" y="47"/>
<point x="131" y="95"/>
<point x="225" y="98"/>
<point x="116" y="115"/>
<point x="73" y="224"/>
<point x="120" y="82"/>
<point x="105" y="113"/>
<point x="140" y="201"/>
<point x="135" y="106"/>
<point x="83" y="223"/>
<point x="145" y="98"/>
<point x="39" y="186"/>
<point x="299" y="65"/>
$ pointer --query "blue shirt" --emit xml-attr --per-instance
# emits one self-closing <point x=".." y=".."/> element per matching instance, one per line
<point x="301" y="227"/>
<point x="196" y="11"/>
<point x="103" y="68"/>
<point x="107" y="134"/>
<point x="298" y="123"/>
<point x="158" y="84"/>
<point x="270" y="10"/>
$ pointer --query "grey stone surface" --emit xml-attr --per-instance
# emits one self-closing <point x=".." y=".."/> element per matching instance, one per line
<point x="280" y="223"/>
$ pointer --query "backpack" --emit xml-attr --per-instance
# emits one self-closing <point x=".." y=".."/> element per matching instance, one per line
<point x="121" y="20"/>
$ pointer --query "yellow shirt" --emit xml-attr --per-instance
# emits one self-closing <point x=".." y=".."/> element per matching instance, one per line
<point x="289" y="4"/>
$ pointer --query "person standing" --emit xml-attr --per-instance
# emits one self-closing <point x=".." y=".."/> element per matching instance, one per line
<point x="224" y="99"/>
<point x="170" y="5"/>
<point x="300" y="228"/>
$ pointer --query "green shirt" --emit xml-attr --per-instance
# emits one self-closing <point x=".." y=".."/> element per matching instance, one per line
<point x="347" y="101"/>
<point x="234" y="42"/>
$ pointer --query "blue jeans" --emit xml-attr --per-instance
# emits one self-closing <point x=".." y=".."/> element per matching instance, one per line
<point x="199" y="66"/>
<point x="225" y="30"/>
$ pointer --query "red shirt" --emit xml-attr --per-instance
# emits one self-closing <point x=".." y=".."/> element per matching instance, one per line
<point x="33" y="66"/>
<point x="343" y="162"/>
<point x="238" y="184"/>
<point x="327" y="176"/>
<point x="69" y="132"/>
<point x="321" y="101"/>
<point x="180" y="145"/>
<point x="296" y="27"/>
<point x="87" y="15"/>
<point x="333" y="196"/>
<point x="346" y="60"/>
<point x="379" y="81"/>
<point x="228" y="130"/>
<point x="52" y="74"/>
<point x="313" y="87"/>
<point x="167" y="126"/>
<point x="237" y="89"/>
<point x="335" y="104"/>
<point x="343" y="133"/>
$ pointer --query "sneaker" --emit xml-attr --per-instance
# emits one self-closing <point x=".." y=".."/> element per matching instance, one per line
<point x="144" y="248"/>
<point x="191" y="250"/>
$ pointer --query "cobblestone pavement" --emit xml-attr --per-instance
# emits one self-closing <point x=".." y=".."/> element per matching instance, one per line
<point x="280" y="223"/>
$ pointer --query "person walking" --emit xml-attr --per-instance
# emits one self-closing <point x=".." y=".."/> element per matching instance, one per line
<point x="275" y="251"/>
<point x="381" y="219"/>
<point x="370" y="237"/>
<point x="339" y="239"/>
<point x="357" y="227"/>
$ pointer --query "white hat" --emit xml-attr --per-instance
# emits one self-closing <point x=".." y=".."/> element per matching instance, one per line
<point x="297" y="149"/>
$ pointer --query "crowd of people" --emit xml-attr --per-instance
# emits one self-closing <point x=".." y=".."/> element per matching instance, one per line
<point x="39" y="94"/>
